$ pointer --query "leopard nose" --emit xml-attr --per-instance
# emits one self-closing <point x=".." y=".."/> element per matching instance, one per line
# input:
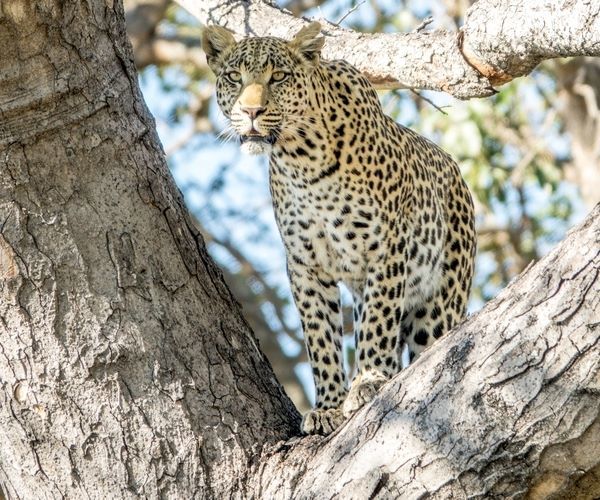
<point x="253" y="111"/>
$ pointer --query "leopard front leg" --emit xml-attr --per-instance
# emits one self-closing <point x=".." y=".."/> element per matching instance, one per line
<point x="317" y="298"/>
<point x="377" y="333"/>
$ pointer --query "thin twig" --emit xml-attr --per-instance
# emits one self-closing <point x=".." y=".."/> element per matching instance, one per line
<point x="426" y="22"/>
<point x="181" y="142"/>
<point x="349" y="12"/>
<point x="439" y="108"/>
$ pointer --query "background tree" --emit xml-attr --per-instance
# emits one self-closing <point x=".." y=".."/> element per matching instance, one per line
<point x="126" y="368"/>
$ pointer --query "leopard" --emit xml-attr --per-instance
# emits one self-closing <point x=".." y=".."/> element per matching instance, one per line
<point x="360" y="201"/>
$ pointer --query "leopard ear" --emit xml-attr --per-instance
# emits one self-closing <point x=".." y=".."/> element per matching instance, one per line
<point x="215" y="42"/>
<point x="306" y="42"/>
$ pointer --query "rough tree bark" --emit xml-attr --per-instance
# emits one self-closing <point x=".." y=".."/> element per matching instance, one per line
<point x="126" y="369"/>
<point x="506" y="406"/>
<point x="125" y="366"/>
<point x="499" y="41"/>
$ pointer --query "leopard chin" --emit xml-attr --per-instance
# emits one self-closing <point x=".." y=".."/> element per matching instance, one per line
<point x="254" y="148"/>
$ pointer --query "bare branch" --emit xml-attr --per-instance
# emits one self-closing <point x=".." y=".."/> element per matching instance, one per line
<point x="499" y="41"/>
<point x="426" y="22"/>
<point x="350" y="11"/>
<point x="429" y="101"/>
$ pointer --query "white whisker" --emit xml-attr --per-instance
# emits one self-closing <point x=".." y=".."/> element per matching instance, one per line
<point x="227" y="134"/>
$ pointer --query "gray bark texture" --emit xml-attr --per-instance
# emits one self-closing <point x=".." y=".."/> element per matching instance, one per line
<point x="499" y="41"/>
<point x="506" y="406"/>
<point x="127" y="370"/>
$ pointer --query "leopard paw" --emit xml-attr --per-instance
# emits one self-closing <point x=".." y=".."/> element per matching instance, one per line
<point x="322" y="421"/>
<point x="363" y="389"/>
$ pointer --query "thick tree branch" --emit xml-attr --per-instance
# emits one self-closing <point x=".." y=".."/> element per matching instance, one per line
<point x="507" y="39"/>
<point x="507" y="405"/>
<point x="152" y="47"/>
<point x="499" y="41"/>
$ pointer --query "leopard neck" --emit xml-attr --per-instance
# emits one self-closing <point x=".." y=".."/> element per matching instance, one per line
<point x="315" y="146"/>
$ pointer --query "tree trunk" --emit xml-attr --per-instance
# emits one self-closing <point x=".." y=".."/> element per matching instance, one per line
<point x="126" y="369"/>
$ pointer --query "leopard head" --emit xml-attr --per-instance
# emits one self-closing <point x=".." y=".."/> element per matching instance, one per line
<point x="263" y="83"/>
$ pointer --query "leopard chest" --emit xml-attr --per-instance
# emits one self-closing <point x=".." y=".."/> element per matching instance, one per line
<point x="327" y="228"/>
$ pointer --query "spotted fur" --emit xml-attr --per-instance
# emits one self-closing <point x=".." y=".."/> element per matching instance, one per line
<point x="358" y="199"/>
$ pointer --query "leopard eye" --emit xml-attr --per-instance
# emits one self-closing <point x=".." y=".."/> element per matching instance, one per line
<point x="279" y="76"/>
<point x="234" y="76"/>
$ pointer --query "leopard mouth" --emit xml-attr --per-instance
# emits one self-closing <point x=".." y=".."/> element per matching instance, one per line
<point x="256" y="137"/>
